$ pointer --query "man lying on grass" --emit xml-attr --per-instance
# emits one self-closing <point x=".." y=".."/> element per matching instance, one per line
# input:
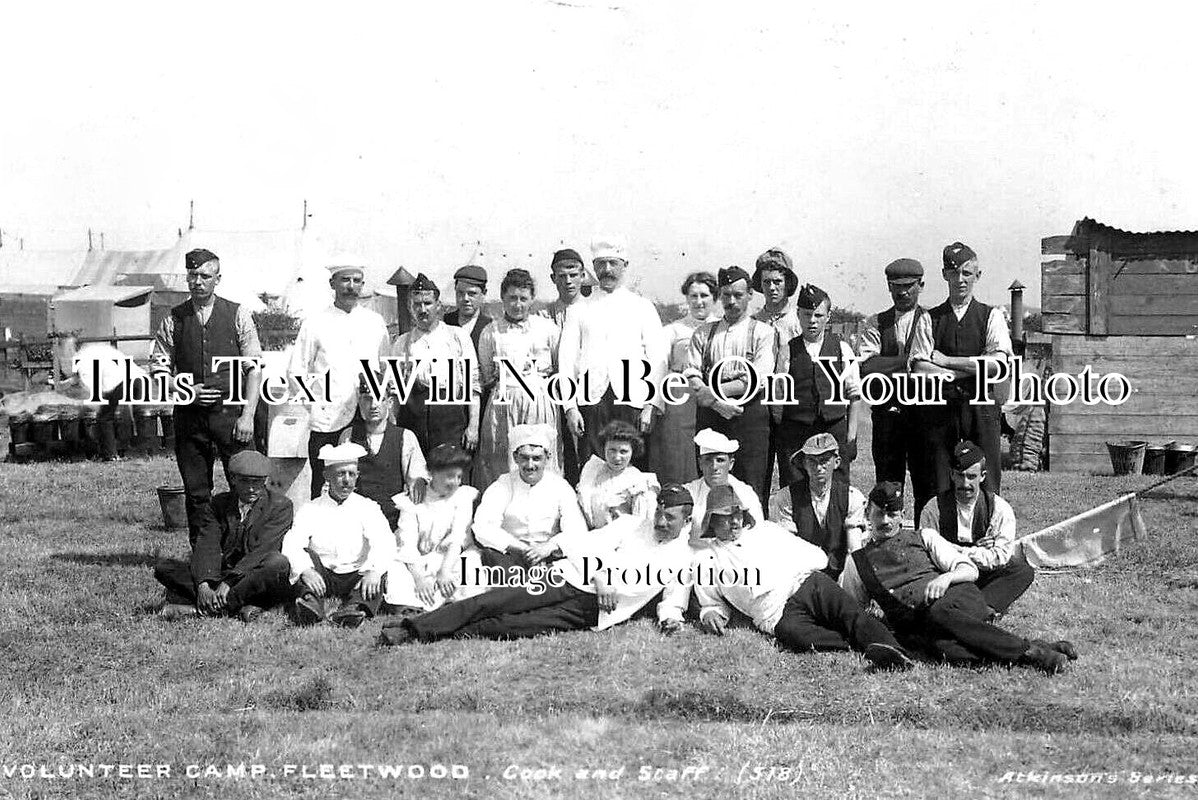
<point x="926" y="588"/>
<point x="236" y="568"/>
<point x="588" y="587"/>
<point x="339" y="547"/>
<point x="786" y="594"/>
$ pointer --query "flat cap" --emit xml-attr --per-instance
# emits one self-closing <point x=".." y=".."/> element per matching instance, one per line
<point x="250" y="463"/>
<point x="198" y="258"/>
<point x="887" y="495"/>
<point x="566" y="256"/>
<point x="472" y="274"/>
<point x="904" y="270"/>
<point x="819" y="444"/>
<point x="966" y="454"/>
<point x="709" y="441"/>
<point x="730" y="275"/>
<point x="674" y="494"/>
<point x="347" y="453"/>
<point x="957" y="254"/>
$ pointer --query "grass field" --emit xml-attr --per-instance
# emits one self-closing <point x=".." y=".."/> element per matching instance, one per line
<point x="91" y="676"/>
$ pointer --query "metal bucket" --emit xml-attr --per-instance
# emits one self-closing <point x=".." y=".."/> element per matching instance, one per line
<point x="1154" y="458"/>
<point x="174" y="506"/>
<point x="18" y="428"/>
<point x="1127" y="458"/>
<point x="1180" y="457"/>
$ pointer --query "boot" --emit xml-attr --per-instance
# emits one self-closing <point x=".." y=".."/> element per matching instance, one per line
<point x="1042" y="656"/>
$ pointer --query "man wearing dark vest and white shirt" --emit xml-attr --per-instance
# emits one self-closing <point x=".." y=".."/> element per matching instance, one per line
<point x="197" y="331"/>
<point x="393" y="463"/>
<point x="925" y="587"/>
<point x="895" y="338"/>
<point x="962" y="329"/>
<point x="470" y="292"/>
<point x="982" y="526"/>
<point x="813" y="412"/>
<point x="826" y="510"/>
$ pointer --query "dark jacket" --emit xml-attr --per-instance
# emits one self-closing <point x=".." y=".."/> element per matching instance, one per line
<point x="226" y="546"/>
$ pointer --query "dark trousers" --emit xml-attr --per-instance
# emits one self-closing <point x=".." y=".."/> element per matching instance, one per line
<point x="946" y="426"/>
<point x="342" y="589"/>
<point x="594" y="417"/>
<point x="571" y="469"/>
<point x="1003" y="586"/>
<point x="900" y="445"/>
<point x="822" y="616"/>
<point x="434" y="424"/>
<point x="955" y="629"/>
<point x="201" y="436"/>
<point x="509" y="613"/>
<point x="264" y="586"/>
<point x="791" y="435"/>
<point x="752" y="431"/>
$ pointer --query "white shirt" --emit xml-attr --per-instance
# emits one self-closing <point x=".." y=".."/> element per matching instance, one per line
<point x="921" y="342"/>
<point x="766" y="551"/>
<point x="699" y="491"/>
<point x="512" y="512"/>
<point x="351" y="536"/>
<point x="855" y="522"/>
<point x="748" y="338"/>
<point x="601" y="332"/>
<point x="436" y="349"/>
<point x="336" y="341"/>
<point x="628" y="546"/>
<point x="993" y="550"/>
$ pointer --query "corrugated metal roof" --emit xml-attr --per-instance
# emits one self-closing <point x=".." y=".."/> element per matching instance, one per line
<point x="1089" y="232"/>
<point x="103" y="294"/>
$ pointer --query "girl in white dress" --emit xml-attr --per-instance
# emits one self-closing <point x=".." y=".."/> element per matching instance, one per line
<point x="434" y="537"/>
<point x="612" y="475"/>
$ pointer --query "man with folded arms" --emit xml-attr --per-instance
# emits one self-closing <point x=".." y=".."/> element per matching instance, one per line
<point x="925" y="587"/>
<point x="339" y="547"/>
<point x="717" y="459"/>
<point x="580" y="596"/>
<point x="236" y="567"/>
<point x="522" y="512"/>
<point x="981" y="525"/>
<point x="782" y="588"/>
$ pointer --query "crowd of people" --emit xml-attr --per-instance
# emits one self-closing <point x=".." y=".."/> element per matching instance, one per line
<point x="491" y="505"/>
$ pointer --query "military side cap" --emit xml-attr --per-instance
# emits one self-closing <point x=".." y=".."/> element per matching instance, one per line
<point x="904" y="270"/>
<point x="810" y="297"/>
<point x="674" y="494"/>
<point x="198" y="258"/>
<point x="423" y="284"/>
<point x="966" y="454"/>
<point x="730" y="275"/>
<point x="250" y="463"/>
<point x="472" y="274"/>
<point x="887" y="495"/>
<point x="957" y="254"/>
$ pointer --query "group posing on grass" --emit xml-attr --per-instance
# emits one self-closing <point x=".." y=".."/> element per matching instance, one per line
<point x="426" y="512"/>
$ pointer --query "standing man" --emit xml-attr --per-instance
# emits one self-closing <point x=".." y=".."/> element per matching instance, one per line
<point x="742" y="417"/>
<point x="895" y="338"/>
<point x="813" y="411"/>
<point x="612" y="333"/>
<point x="567" y="272"/>
<point x="470" y="291"/>
<point x="964" y="329"/>
<point x="775" y="278"/>
<point x="197" y="331"/>
<point x="446" y="356"/>
<point x="333" y="342"/>
<point x="981" y="525"/>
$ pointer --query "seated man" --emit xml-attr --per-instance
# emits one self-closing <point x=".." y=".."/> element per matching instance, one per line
<point x="393" y="463"/>
<point x="339" y="547"/>
<point x="236" y="567"/>
<point x="587" y="589"/>
<point x="826" y="510"/>
<point x="925" y="587"/>
<point x="982" y="526"/>
<point x="716" y="460"/>
<point x="523" y="510"/>
<point x="783" y="588"/>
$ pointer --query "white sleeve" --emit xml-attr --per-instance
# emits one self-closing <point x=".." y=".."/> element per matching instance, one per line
<point x="295" y="545"/>
<point x="488" y="519"/>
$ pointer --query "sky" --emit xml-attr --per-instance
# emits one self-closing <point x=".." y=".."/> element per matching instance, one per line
<point x="700" y="133"/>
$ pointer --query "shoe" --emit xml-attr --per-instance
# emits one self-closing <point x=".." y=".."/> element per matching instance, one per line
<point x="888" y="657"/>
<point x="1065" y="648"/>
<point x="174" y="611"/>
<point x="1041" y="655"/>
<point x="993" y="616"/>
<point x="395" y="635"/>
<point x="348" y="617"/>
<point x="308" y="610"/>
<point x="249" y="613"/>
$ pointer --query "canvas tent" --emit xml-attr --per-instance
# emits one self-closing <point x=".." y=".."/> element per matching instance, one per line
<point x="98" y="311"/>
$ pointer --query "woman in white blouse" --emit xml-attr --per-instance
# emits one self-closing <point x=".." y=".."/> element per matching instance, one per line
<point x="673" y="447"/>
<point x="613" y="477"/>
<point x="528" y="343"/>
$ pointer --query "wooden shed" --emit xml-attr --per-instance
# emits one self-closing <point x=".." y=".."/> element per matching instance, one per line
<point x="1122" y="302"/>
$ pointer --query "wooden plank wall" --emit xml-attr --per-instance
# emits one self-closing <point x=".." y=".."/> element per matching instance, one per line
<point x="1153" y="297"/>
<point x="1164" y="405"/>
